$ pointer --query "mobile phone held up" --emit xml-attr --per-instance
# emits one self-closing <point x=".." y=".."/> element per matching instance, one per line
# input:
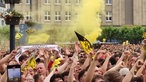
<point x="14" y="73"/>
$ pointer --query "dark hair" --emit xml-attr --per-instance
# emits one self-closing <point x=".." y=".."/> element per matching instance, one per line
<point x="36" y="77"/>
<point x="81" y="61"/>
<point x="65" y="73"/>
<point x="38" y="60"/>
<point x="112" y="76"/>
<point x="101" y="60"/>
<point x="52" y="79"/>
<point x="113" y="60"/>
<point x="97" y="77"/>
<point x="22" y="57"/>
<point x="137" y="79"/>
<point x="81" y="73"/>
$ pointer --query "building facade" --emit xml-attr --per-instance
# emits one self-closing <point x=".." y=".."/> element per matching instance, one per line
<point x="124" y="12"/>
<point x="2" y="9"/>
<point x="60" y="12"/>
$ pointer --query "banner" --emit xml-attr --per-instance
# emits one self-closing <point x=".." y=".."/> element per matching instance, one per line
<point x="53" y="47"/>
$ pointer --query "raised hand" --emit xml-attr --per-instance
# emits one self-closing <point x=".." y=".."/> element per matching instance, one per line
<point x="13" y="53"/>
<point x="67" y="52"/>
<point x="139" y="63"/>
<point x="77" y="48"/>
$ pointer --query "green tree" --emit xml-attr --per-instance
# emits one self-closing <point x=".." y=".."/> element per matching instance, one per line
<point x="133" y="34"/>
<point x="4" y="32"/>
<point x="110" y="33"/>
<point x="136" y="34"/>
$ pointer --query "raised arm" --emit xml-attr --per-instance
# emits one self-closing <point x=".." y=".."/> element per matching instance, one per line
<point x="71" y="73"/>
<point x="129" y="75"/>
<point x="8" y="57"/>
<point x="139" y="72"/>
<point x="60" y="69"/>
<point x="91" y="70"/>
<point x="87" y="61"/>
<point x="105" y="64"/>
<point x="4" y="77"/>
<point x="124" y="57"/>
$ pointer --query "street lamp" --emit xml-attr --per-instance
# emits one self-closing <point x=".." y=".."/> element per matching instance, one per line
<point x="12" y="25"/>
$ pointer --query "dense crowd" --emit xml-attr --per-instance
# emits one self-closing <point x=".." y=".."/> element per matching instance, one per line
<point x="107" y="63"/>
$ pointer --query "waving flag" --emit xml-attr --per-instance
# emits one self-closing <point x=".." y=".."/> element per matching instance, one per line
<point x="85" y="44"/>
<point x="18" y="35"/>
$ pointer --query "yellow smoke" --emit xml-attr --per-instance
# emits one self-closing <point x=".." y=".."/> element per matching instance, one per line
<point x="88" y="20"/>
<point x="38" y="38"/>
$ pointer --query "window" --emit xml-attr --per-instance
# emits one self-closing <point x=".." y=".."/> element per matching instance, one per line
<point x="57" y="16"/>
<point x="47" y="1"/>
<point x="47" y="16"/>
<point x="57" y="1"/>
<point x="28" y="17"/>
<point x="28" y="1"/>
<point x="67" y="1"/>
<point x="108" y="2"/>
<point x="109" y="16"/>
<point x="67" y="15"/>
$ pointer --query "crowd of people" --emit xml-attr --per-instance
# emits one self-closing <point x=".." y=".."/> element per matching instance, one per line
<point x="107" y="63"/>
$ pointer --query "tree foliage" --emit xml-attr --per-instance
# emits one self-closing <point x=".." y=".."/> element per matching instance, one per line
<point x="132" y="34"/>
<point x="4" y="32"/>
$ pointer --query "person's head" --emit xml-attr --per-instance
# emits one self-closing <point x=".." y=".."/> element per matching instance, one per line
<point x="137" y="79"/>
<point x="41" y="69"/>
<point x="77" y="69"/>
<point x="13" y="62"/>
<point x="22" y="58"/>
<point x="65" y="75"/>
<point x="56" y="78"/>
<point x="29" y="78"/>
<point x="113" y="60"/>
<point x="117" y="56"/>
<point x="112" y="76"/>
<point x="31" y="71"/>
<point x="98" y="71"/>
<point x="124" y="71"/>
<point x="101" y="61"/>
<point x="97" y="78"/>
<point x="38" y="78"/>
<point x="42" y="59"/>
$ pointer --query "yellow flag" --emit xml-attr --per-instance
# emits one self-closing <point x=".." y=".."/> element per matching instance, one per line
<point x="56" y="63"/>
<point x="126" y="42"/>
<point x="31" y="62"/>
<point x="144" y="35"/>
<point x="18" y="35"/>
<point x="104" y="39"/>
<point x="85" y="44"/>
<point x="123" y="43"/>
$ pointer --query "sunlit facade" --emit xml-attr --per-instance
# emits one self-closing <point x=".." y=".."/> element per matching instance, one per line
<point x="61" y="12"/>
